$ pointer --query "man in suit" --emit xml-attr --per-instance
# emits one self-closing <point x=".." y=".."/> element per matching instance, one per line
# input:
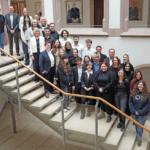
<point x="12" y="24"/>
<point x="111" y="56"/>
<point x="74" y="14"/>
<point x="133" y="12"/>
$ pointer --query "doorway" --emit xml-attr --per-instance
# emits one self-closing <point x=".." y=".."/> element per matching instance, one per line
<point x="98" y="13"/>
<point x="18" y="6"/>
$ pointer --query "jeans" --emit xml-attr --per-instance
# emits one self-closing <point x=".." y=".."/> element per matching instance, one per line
<point x="121" y="103"/>
<point x="2" y="41"/>
<point x="66" y="97"/>
<point x="141" y="120"/>
<point x="25" y="50"/>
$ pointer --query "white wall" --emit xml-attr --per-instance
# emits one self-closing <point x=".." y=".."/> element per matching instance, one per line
<point x="48" y="8"/>
<point x="137" y="48"/>
<point x="86" y="14"/>
<point x="144" y="21"/>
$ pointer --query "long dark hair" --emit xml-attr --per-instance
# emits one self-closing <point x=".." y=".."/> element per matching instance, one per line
<point x="24" y="23"/>
<point x="135" y="91"/>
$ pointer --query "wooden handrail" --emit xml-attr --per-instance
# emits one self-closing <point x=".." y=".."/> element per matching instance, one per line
<point x="77" y="95"/>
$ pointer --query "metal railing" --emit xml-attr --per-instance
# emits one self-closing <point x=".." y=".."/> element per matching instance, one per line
<point x="77" y="95"/>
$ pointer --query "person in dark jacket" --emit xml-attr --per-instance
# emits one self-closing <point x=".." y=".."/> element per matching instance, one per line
<point x="68" y="49"/>
<point x="104" y="83"/>
<point x="76" y="80"/>
<point x="47" y="64"/>
<point x="139" y="104"/>
<point x="127" y="60"/>
<point x="72" y="60"/>
<point x="64" y="71"/>
<point x="53" y="33"/>
<point x="122" y="88"/>
<point x="87" y="89"/>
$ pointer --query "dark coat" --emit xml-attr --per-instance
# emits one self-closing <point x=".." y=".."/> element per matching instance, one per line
<point x="54" y="34"/>
<point x="15" y="22"/>
<point x="107" y="60"/>
<point x="44" y="61"/>
<point x="74" y="13"/>
<point x="74" y="75"/>
<point x="103" y="57"/>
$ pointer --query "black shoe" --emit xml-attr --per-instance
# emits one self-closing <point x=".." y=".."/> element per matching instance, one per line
<point x="122" y="128"/>
<point x="119" y="125"/>
<point x="11" y="54"/>
<point x="3" y="54"/>
<point x="30" y="73"/>
<point x="18" y="54"/>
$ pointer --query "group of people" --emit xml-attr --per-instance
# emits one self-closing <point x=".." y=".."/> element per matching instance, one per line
<point x="81" y="70"/>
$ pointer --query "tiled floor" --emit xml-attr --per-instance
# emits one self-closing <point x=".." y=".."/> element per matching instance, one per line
<point x="32" y="133"/>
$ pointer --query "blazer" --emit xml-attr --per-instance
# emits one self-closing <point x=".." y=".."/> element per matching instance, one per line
<point x="85" y="81"/>
<point x="107" y="60"/>
<point x="45" y="63"/>
<point x="74" y="75"/>
<point x="65" y="79"/>
<point x="103" y="56"/>
<point x="15" y="22"/>
<point x="33" y="45"/>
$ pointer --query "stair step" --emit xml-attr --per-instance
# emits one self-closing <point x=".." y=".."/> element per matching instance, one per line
<point x="57" y="117"/>
<point x="87" y="125"/>
<point x="12" y="75"/>
<point x="114" y="136"/>
<point x="145" y="138"/>
<point x="26" y="88"/>
<point x="128" y="139"/>
<point x="41" y="103"/>
<point x="22" y="80"/>
<point x="51" y="109"/>
<point x="9" y="67"/>
<point x="33" y="95"/>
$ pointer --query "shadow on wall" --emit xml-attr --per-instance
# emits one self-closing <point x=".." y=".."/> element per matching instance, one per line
<point x="146" y="74"/>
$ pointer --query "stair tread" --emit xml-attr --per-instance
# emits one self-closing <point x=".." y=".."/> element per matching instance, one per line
<point x="51" y="109"/>
<point x="22" y="80"/>
<point x="26" y="88"/>
<point x="33" y="95"/>
<point x="57" y="117"/>
<point x="128" y="139"/>
<point x="39" y="104"/>
<point x="145" y="138"/>
<point x="11" y="75"/>
<point x="115" y="134"/>
<point x="9" y="67"/>
<point x="74" y="123"/>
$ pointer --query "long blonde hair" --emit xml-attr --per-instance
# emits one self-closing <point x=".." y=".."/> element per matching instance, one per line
<point x="54" y="47"/>
<point x="58" y="58"/>
<point x="127" y="56"/>
<point x="66" y="67"/>
<point x="41" y="21"/>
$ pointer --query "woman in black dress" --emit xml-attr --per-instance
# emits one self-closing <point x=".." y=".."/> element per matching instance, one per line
<point x="104" y="84"/>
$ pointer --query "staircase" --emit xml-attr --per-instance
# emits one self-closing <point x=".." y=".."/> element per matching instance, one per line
<point x="77" y="131"/>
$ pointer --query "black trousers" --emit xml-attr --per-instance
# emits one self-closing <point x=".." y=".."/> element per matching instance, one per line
<point x="58" y="85"/>
<point x="10" y="36"/>
<point x="128" y="112"/>
<point x="108" y="97"/>
<point x="36" y="65"/>
<point x="88" y="93"/>
<point x="50" y="77"/>
<point x="78" y="91"/>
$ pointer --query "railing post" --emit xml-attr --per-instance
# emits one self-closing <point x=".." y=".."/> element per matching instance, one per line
<point x="18" y="90"/>
<point x="96" y="125"/>
<point x="63" y="122"/>
<point x="149" y="142"/>
<point x="13" y="117"/>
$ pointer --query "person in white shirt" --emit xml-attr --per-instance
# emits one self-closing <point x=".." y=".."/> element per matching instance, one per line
<point x="25" y="12"/>
<point x="89" y="50"/>
<point x="47" y="64"/>
<point x="36" y="47"/>
<point x="25" y="37"/>
<point x="111" y="57"/>
<point x="78" y="46"/>
<point x="64" y="39"/>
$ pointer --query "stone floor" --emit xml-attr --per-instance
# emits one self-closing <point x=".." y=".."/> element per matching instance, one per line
<point x="32" y="134"/>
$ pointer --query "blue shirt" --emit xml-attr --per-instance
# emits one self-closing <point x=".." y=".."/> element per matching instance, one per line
<point x="2" y="21"/>
<point x="96" y="66"/>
